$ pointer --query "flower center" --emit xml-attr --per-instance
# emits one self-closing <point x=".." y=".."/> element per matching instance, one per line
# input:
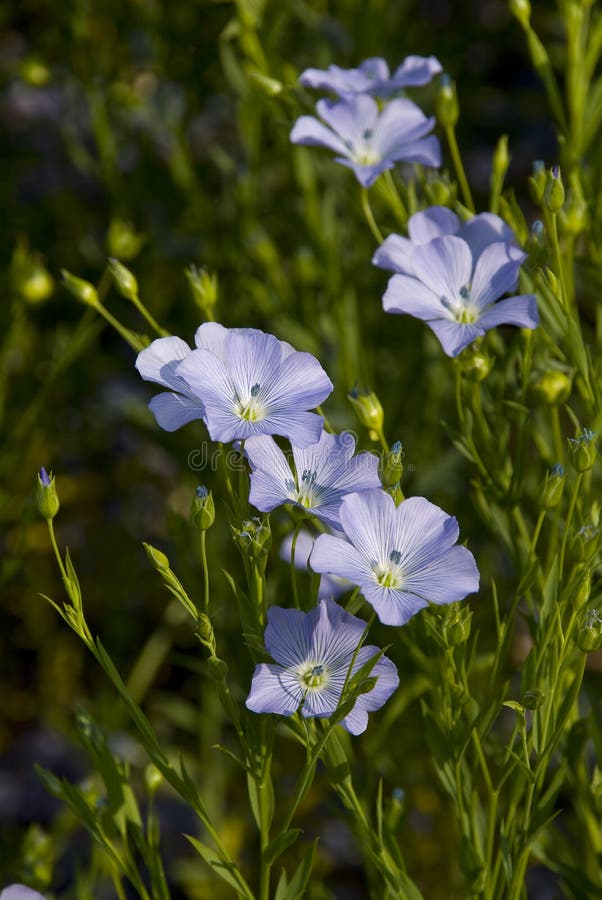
<point x="307" y="494"/>
<point x="252" y="409"/>
<point x="389" y="574"/>
<point x="314" y="677"/>
<point x="461" y="308"/>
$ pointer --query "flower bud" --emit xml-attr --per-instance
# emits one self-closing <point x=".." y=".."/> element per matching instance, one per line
<point x="203" y="286"/>
<point x="447" y="102"/>
<point x="125" y="281"/>
<point x="367" y="407"/>
<point x="268" y="85"/>
<point x="254" y="539"/>
<point x="586" y="542"/>
<point x="533" y="699"/>
<point x="457" y="627"/>
<point x="34" y="72"/>
<point x="501" y="158"/>
<point x="553" y="196"/>
<point x="122" y="240"/>
<point x="584" y="590"/>
<point x="537" y="182"/>
<point x="475" y="365"/>
<point x="152" y="778"/>
<point x="202" y="511"/>
<point x="440" y="191"/>
<point x="157" y="559"/>
<point x="584" y="450"/>
<point x="536" y="245"/>
<point x="553" y="485"/>
<point x="29" y="277"/>
<point x="82" y="290"/>
<point x="573" y="216"/>
<point x="589" y="633"/>
<point x="552" y="388"/>
<point x="205" y="630"/>
<point x="522" y="10"/>
<point x="47" y="497"/>
<point x="392" y="465"/>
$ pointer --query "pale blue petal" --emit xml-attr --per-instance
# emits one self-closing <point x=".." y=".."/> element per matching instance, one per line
<point x="444" y="265"/>
<point x="387" y="683"/>
<point x="455" y="336"/>
<point x="310" y="132"/>
<point x="174" y="410"/>
<point x="445" y="578"/>
<point x="393" y="607"/>
<point x="400" y="123"/>
<point x="485" y="229"/>
<point x="334" y="556"/>
<point x="433" y="222"/>
<point x="301" y="428"/>
<point x="426" y="152"/>
<point x="415" y="71"/>
<point x="159" y="361"/>
<point x="520" y="310"/>
<point x="20" y="892"/>
<point x="496" y="273"/>
<point x="394" y="254"/>
<point x="274" y="690"/>
<point x="405" y="294"/>
<point x="366" y="78"/>
<point x="422" y="532"/>
<point x="212" y="336"/>
<point x="350" y="118"/>
<point x="272" y="481"/>
<point x="335" y="636"/>
<point x="288" y="636"/>
<point x="366" y="175"/>
<point x="369" y="521"/>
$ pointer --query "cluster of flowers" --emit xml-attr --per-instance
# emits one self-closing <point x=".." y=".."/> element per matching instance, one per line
<point x="447" y="273"/>
<point x="248" y="386"/>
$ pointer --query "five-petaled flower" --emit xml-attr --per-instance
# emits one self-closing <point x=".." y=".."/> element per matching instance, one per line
<point x="322" y="474"/>
<point x="367" y="140"/>
<point x="373" y="77"/>
<point x="315" y="653"/>
<point x="402" y="558"/>
<point x="451" y="276"/>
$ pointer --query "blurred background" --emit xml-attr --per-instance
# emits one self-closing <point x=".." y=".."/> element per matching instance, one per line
<point x="140" y="130"/>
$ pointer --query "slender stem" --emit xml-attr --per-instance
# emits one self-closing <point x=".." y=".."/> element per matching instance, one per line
<point x="205" y="572"/>
<point x="57" y="554"/>
<point x="370" y="217"/>
<point x="293" y="567"/>
<point x="558" y="257"/>
<point x="119" y="328"/>
<point x="535" y="537"/>
<point x="147" y="315"/>
<point x="557" y="434"/>
<point x="459" y="167"/>
<point x="567" y="526"/>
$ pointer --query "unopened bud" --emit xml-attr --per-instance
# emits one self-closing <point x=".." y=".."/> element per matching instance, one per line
<point x="47" y="497"/>
<point x="203" y="286"/>
<point x="447" y="102"/>
<point x="522" y="10"/>
<point x="440" y="191"/>
<point x="81" y="290"/>
<point x="268" y="85"/>
<point x="532" y="699"/>
<point x="552" y="388"/>
<point x="573" y="216"/>
<point x="584" y="590"/>
<point x="589" y="633"/>
<point x="553" y="196"/>
<point x="392" y="466"/>
<point x="152" y="778"/>
<point x="125" y="281"/>
<point x="202" y="511"/>
<point x="157" y="559"/>
<point x="552" y="487"/>
<point x="475" y="365"/>
<point x="123" y="242"/>
<point x="537" y="182"/>
<point x="501" y="158"/>
<point x="367" y="407"/>
<point x="536" y="245"/>
<point x="457" y="628"/>
<point x="584" y="450"/>
<point x="254" y="539"/>
<point x="205" y="630"/>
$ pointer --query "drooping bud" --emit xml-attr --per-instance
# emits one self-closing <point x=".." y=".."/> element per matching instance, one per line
<point x="553" y="196"/>
<point x="553" y="485"/>
<point x="367" y="407"/>
<point x="202" y="511"/>
<point x="552" y="388"/>
<point x="47" y="497"/>
<point x="203" y="286"/>
<point x="392" y="465"/>
<point x="82" y="290"/>
<point x="125" y="282"/>
<point x="447" y="108"/>
<point x="584" y="450"/>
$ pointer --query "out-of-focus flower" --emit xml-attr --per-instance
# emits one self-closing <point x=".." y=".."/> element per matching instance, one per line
<point x="456" y="296"/>
<point x="395" y="253"/>
<point x="367" y="140"/>
<point x="313" y="653"/>
<point x="330" y="586"/>
<point x="373" y="76"/>
<point x="402" y="558"/>
<point x="250" y="383"/>
<point x="20" y="892"/>
<point x="323" y="473"/>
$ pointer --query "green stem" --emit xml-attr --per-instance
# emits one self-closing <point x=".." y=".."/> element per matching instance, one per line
<point x="370" y="217"/>
<point x="147" y="315"/>
<point x="205" y="572"/>
<point x="567" y="526"/>
<point x="459" y="167"/>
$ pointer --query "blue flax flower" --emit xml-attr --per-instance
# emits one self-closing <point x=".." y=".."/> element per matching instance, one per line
<point x="402" y="558"/>
<point x="250" y="383"/>
<point x="313" y="653"/>
<point x="395" y="252"/>
<point x="367" y="140"/>
<point x="456" y="294"/>
<point x="330" y="586"/>
<point x="20" y="892"/>
<point x="322" y="474"/>
<point x="373" y="76"/>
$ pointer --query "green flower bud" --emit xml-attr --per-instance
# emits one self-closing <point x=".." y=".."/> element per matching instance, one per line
<point x="584" y="590"/>
<point x="457" y="626"/>
<point x="589" y="633"/>
<point x="447" y="108"/>
<point x="125" y="281"/>
<point x="553" y="485"/>
<point x="475" y="365"/>
<point x="573" y="216"/>
<point x="269" y="86"/>
<point x="440" y="191"/>
<point x="522" y="10"/>
<point x="254" y="540"/>
<point x="584" y="450"/>
<point x="552" y="388"/>
<point x="501" y="158"/>
<point x="586" y="542"/>
<point x="367" y="407"/>
<point x="203" y="286"/>
<point x="34" y="72"/>
<point x="202" y="511"/>
<point x="157" y="559"/>
<point x="81" y="290"/>
<point x="553" y="196"/>
<point x="532" y="699"/>
<point x="152" y="778"/>
<point x="552" y="281"/>
<point x="537" y="182"/>
<point x="536" y="245"/>
<point x="123" y="242"/>
<point x="205" y="630"/>
<point x="47" y="497"/>
<point x="392" y="466"/>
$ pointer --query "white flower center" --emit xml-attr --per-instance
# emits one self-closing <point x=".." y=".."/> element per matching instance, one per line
<point x="389" y="574"/>
<point x="461" y="308"/>
<point x="364" y="152"/>
<point x="252" y="409"/>
<point x="308" y="491"/>
<point x="314" y="676"/>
